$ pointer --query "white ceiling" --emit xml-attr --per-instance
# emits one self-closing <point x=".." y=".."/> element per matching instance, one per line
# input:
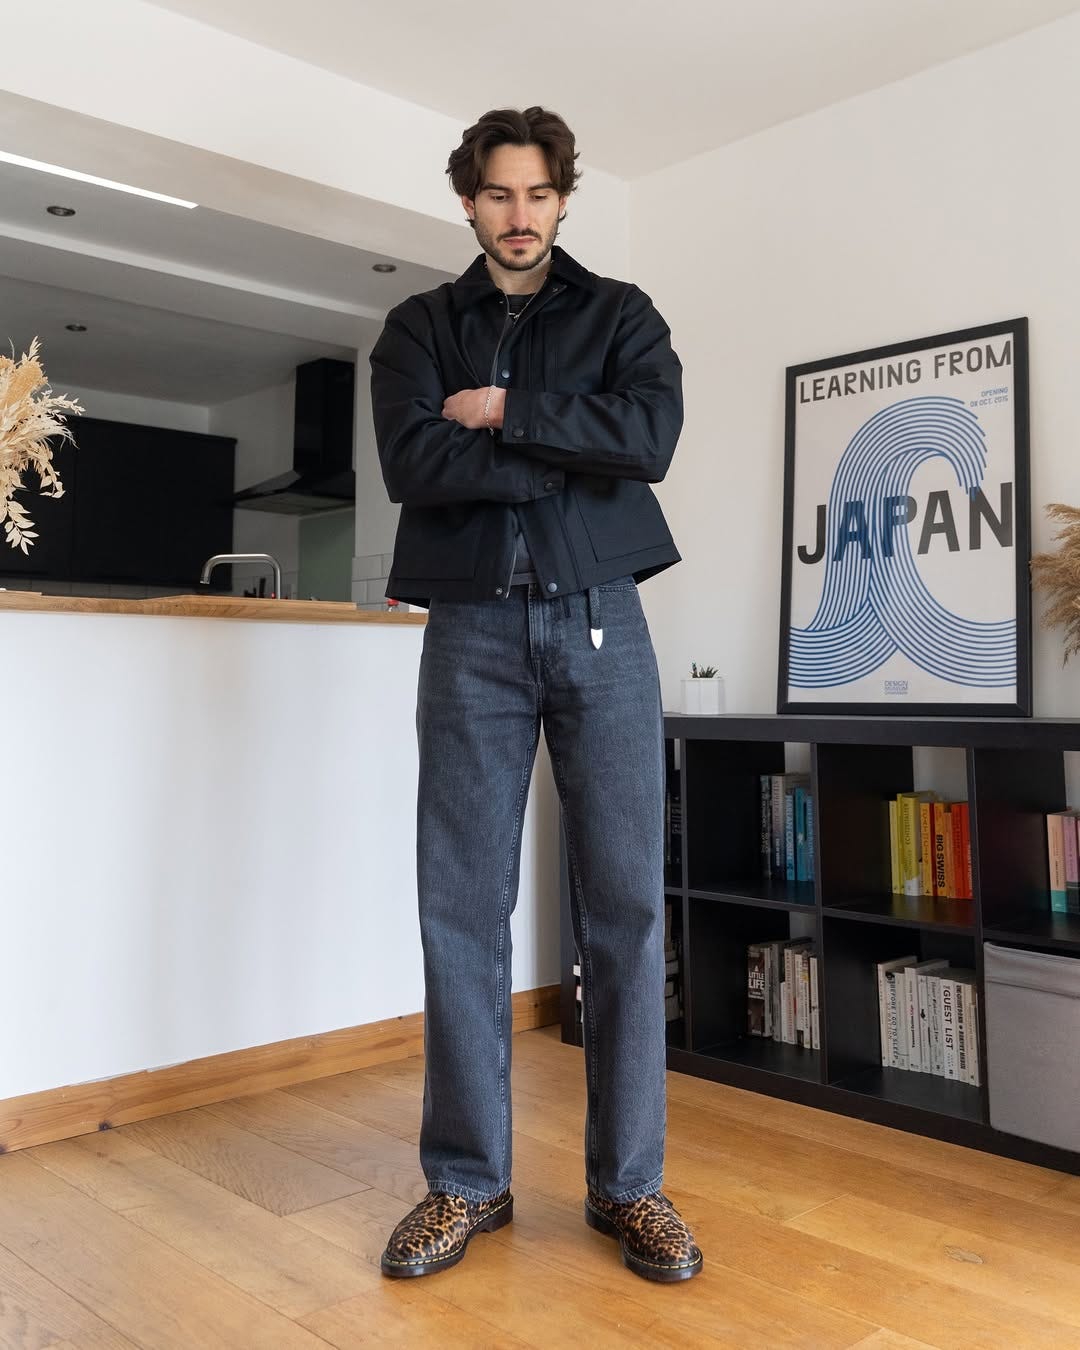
<point x="155" y="353"/>
<point x="643" y="84"/>
<point x="191" y="306"/>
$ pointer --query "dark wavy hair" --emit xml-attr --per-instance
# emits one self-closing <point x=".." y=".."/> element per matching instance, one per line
<point x="508" y="126"/>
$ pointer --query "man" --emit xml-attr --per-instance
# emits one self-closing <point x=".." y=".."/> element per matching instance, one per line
<point x="521" y="413"/>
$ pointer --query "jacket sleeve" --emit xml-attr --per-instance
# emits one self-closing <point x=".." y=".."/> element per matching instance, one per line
<point x="629" y="432"/>
<point x="430" y="460"/>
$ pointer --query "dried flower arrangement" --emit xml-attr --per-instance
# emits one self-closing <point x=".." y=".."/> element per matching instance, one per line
<point x="702" y="673"/>
<point x="29" y="416"/>
<point x="1059" y="573"/>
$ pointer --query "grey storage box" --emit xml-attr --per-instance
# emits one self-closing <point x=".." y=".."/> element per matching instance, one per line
<point x="1033" y="1044"/>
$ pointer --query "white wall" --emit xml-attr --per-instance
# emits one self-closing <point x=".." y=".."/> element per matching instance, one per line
<point x="148" y="412"/>
<point x="947" y="200"/>
<point x="263" y="424"/>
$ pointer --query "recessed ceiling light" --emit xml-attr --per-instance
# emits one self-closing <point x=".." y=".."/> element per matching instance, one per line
<point x="23" y="163"/>
<point x="384" y="267"/>
<point x="60" y="210"/>
<point x="75" y="327"/>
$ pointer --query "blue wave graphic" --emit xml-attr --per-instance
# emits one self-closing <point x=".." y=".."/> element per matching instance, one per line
<point x="873" y="606"/>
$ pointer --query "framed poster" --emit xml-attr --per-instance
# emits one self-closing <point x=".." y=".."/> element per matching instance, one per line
<point x="907" y="531"/>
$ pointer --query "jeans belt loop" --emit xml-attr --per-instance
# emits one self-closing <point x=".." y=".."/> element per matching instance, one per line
<point x="595" y="631"/>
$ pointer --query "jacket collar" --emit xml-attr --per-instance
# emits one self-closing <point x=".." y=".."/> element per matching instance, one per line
<point x="476" y="281"/>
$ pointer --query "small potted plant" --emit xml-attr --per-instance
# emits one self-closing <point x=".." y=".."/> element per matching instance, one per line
<point x="703" y="692"/>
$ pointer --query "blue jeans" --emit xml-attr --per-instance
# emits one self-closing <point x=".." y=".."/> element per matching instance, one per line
<point x="491" y="673"/>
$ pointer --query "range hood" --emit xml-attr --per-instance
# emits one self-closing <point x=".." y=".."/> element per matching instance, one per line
<point x="322" y="476"/>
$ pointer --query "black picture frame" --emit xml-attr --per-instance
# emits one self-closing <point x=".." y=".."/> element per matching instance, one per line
<point x="876" y="601"/>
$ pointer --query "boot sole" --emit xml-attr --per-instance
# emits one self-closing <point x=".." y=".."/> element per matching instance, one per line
<point x="499" y="1218"/>
<point x="648" y="1270"/>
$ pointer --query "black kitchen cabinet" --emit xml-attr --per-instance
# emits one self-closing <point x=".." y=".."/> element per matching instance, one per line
<point x="142" y="506"/>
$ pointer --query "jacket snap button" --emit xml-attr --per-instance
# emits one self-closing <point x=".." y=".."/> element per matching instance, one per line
<point x="519" y="431"/>
<point x="552" y="586"/>
<point x="498" y="590"/>
<point x="506" y="374"/>
<point x="548" y="487"/>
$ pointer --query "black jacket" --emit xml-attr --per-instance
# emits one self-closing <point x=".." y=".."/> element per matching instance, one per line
<point x="593" y="412"/>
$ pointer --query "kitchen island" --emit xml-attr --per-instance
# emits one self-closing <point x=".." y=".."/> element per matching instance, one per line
<point x="209" y="832"/>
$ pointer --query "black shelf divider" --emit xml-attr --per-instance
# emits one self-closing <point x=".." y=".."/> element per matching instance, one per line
<point x="1015" y="776"/>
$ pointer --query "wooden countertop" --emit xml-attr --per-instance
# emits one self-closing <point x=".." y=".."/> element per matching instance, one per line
<point x="208" y="607"/>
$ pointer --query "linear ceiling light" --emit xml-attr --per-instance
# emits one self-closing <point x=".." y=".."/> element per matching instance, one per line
<point x="24" y="163"/>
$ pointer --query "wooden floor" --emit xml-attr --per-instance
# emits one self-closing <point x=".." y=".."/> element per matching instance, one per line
<point x="258" y="1224"/>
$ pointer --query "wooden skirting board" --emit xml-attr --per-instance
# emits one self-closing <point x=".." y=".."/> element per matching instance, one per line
<point x="63" y="1113"/>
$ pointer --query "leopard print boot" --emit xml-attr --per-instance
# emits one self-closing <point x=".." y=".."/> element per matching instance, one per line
<point x="655" y="1242"/>
<point x="434" y="1234"/>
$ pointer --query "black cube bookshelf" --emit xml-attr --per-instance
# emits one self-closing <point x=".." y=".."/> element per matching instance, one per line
<point x="1015" y="775"/>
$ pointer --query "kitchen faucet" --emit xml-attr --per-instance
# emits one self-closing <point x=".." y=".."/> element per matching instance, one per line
<point x="211" y="563"/>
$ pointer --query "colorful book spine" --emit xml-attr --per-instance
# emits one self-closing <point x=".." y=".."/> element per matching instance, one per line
<point x="968" y="887"/>
<point x="926" y="834"/>
<point x="1072" y="862"/>
<point x="941" y="875"/>
<point x="810" y="854"/>
<point x="801" y="796"/>
<point x="1055" y="845"/>
<point x="766" y="825"/>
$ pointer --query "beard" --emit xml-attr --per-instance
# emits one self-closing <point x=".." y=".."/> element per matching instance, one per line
<point x="514" y="260"/>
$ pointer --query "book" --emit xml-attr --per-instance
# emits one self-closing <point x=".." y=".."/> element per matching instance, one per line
<point x="947" y="993"/>
<point x="965" y="829"/>
<point x="918" y="1030"/>
<point x="759" y="1015"/>
<point x="926" y="830"/>
<point x="815" y="1011"/>
<point x="810" y="839"/>
<point x="885" y="1000"/>
<point x="792" y="996"/>
<point x="966" y="1031"/>
<point x="897" y="881"/>
<point x="970" y="1017"/>
<point x="789" y="834"/>
<point x="1055" y="846"/>
<point x="911" y="839"/>
<point x="923" y="1002"/>
<point x="1072" y="863"/>
<point x="933" y="1014"/>
<point x="766" y="824"/>
<point x="941" y="871"/>
<point x="801" y="796"/>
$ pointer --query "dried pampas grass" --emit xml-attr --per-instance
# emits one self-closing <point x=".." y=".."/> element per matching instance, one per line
<point x="29" y="416"/>
<point x="1059" y="573"/>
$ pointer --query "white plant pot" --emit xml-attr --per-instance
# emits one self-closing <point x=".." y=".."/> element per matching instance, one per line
<point x="703" y="696"/>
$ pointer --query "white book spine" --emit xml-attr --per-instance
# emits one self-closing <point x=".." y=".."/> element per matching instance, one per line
<point x="790" y="1035"/>
<point x="962" y="1068"/>
<point x="933" y="1008"/>
<point x="897" y="1032"/>
<point x="971" y="1022"/>
<point x="815" y="1010"/>
<point x="883" y="1015"/>
<point x="925" y="1058"/>
<point x="914" y="1042"/>
<point x="948" y="1026"/>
